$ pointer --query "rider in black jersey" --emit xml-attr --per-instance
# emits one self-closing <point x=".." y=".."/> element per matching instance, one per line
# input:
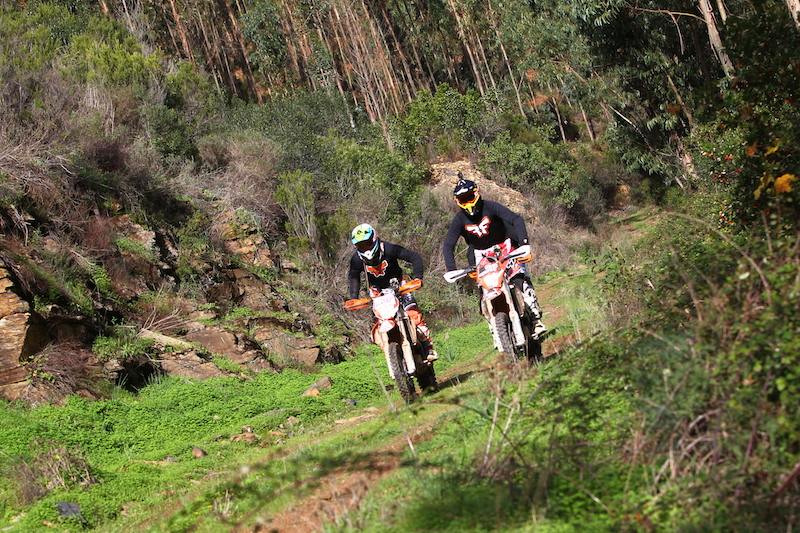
<point x="484" y="224"/>
<point x="379" y="260"/>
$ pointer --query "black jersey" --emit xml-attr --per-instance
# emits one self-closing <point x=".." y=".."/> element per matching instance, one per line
<point x="385" y="269"/>
<point x="491" y="225"/>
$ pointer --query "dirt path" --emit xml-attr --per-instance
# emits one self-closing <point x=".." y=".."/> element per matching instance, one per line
<point x="344" y="489"/>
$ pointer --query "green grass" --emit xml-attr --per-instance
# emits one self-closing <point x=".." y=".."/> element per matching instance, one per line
<point x="126" y="440"/>
<point x="594" y="438"/>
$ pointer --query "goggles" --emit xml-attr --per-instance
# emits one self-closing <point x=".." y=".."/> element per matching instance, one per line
<point x="466" y="198"/>
<point x="363" y="246"/>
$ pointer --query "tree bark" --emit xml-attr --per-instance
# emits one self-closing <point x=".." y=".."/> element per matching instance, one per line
<point x="462" y="33"/>
<point x="794" y="9"/>
<point x="714" y="37"/>
<point x="182" y="32"/>
<point x="251" y="80"/>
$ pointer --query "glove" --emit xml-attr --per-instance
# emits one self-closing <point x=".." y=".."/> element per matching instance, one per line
<point x="527" y="257"/>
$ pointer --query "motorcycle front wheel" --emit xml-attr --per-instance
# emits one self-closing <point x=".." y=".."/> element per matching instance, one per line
<point x="505" y="332"/>
<point x="404" y="382"/>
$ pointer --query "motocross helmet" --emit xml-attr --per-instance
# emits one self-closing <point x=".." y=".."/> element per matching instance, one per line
<point x="366" y="242"/>
<point x="467" y="195"/>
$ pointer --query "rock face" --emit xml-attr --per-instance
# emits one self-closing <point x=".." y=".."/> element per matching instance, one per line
<point x="21" y="336"/>
<point x="445" y="176"/>
<point x="142" y="265"/>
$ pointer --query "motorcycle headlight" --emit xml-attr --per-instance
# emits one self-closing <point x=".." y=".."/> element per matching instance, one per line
<point x="492" y="280"/>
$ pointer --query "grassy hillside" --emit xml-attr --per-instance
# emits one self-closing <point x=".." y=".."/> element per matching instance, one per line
<point x="653" y="423"/>
<point x="667" y="402"/>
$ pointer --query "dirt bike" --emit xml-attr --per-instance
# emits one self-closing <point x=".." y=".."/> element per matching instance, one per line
<point x="397" y="336"/>
<point x="502" y="304"/>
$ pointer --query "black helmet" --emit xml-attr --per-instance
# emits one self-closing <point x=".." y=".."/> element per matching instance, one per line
<point x="467" y="195"/>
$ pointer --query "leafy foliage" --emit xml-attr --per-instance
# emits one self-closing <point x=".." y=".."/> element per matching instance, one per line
<point x="761" y="106"/>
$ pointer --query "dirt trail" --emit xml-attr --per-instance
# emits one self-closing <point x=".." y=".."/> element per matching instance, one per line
<point x="343" y="489"/>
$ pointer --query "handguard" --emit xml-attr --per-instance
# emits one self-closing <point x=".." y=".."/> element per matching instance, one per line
<point x="356" y="303"/>
<point x="455" y="275"/>
<point x="521" y="254"/>
<point x="410" y="286"/>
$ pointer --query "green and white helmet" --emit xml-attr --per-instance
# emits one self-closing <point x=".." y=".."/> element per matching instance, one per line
<point x="366" y="242"/>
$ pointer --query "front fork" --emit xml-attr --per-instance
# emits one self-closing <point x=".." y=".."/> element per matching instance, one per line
<point x="489" y="312"/>
<point x="407" y="342"/>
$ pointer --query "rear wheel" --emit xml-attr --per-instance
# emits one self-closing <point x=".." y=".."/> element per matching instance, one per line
<point x="427" y="381"/>
<point x="404" y="383"/>
<point x="534" y="349"/>
<point x="505" y="332"/>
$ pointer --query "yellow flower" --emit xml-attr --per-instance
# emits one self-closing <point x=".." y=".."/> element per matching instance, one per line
<point x="783" y="184"/>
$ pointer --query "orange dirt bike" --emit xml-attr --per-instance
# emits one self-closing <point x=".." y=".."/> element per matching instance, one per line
<point x="397" y="336"/>
<point x="510" y="320"/>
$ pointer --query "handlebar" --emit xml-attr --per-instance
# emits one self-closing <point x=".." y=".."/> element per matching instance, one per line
<point x="361" y="303"/>
<point x="521" y="254"/>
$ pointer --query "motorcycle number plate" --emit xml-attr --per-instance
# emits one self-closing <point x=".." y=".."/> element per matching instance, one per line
<point x="385" y="306"/>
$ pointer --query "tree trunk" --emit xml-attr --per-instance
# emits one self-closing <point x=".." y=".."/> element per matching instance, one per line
<point x="462" y="33"/>
<point x="410" y="85"/>
<point x="182" y="32"/>
<point x="588" y="124"/>
<point x="714" y="38"/>
<point x="505" y="59"/>
<point x="794" y="9"/>
<point x="381" y="57"/>
<point x="251" y="80"/>
<point x="289" y="34"/>
<point x="680" y="103"/>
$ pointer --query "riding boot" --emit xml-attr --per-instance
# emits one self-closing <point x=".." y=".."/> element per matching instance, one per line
<point x="529" y="295"/>
<point x="423" y="333"/>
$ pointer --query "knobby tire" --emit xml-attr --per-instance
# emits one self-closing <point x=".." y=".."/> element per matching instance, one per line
<point x="404" y="383"/>
<point x="427" y="381"/>
<point x="505" y="333"/>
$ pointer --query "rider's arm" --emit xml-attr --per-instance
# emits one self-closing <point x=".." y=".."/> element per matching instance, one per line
<point x="515" y="224"/>
<point x="354" y="276"/>
<point x="412" y="257"/>
<point x="450" y="241"/>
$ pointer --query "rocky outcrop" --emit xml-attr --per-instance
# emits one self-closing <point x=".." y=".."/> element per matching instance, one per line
<point x="136" y="265"/>
<point x="445" y="177"/>
<point x="241" y="288"/>
<point x="21" y="336"/>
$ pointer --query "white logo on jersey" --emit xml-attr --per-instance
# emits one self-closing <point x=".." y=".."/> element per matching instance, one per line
<point x="480" y="229"/>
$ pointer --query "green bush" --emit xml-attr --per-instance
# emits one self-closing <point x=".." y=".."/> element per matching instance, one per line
<point x="442" y="123"/>
<point x="531" y="167"/>
<point x="122" y="343"/>
<point x="753" y="139"/>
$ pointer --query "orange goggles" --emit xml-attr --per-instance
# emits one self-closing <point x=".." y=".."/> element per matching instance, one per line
<point x="363" y="246"/>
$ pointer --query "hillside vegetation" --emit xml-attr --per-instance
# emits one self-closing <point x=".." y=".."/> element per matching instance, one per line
<point x="169" y="166"/>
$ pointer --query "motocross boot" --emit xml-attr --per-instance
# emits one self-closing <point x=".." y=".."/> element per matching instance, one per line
<point x="431" y="353"/>
<point x="532" y="303"/>
<point x="424" y="333"/>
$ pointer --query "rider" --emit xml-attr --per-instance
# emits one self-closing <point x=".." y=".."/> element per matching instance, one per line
<point x="379" y="260"/>
<point x="484" y="224"/>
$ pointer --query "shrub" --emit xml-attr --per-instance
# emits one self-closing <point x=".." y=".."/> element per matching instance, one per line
<point x="530" y="167"/>
<point x="443" y="123"/>
<point x="52" y="466"/>
<point x="751" y="145"/>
